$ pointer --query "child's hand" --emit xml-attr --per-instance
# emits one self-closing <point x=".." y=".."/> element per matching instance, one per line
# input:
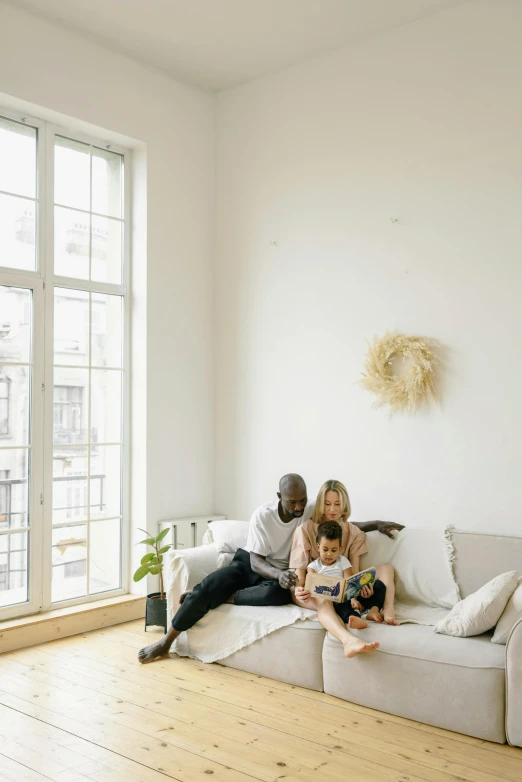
<point x="355" y="604"/>
<point x="367" y="590"/>
<point x="302" y="594"/>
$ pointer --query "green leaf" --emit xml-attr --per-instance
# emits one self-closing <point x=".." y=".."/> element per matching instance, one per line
<point x="146" y="558"/>
<point x="153" y="560"/>
<point x="155" y="570"/>
<point x="148" y="541"/>
<point x="164" y="549"/>
<point x="162" y="534"/>
<point x="160" y="558"/>
<point x="141" y="572"/>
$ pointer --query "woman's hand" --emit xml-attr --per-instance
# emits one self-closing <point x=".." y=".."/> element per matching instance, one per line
<point x="302" y="594"/>
<point x="367" y="591"/>
<point x="356" y="605"/>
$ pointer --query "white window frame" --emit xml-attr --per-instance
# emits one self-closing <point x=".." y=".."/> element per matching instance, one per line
<point x="43" y="282"/>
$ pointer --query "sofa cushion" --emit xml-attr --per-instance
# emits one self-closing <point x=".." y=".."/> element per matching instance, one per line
<point x="452" y="683"/>
<point x="228" y="535"/>
<point x="480" y="611"/>
<point x="479" y="557"/>
<point x="419" y="642"/>
<point x="291" y="654"/>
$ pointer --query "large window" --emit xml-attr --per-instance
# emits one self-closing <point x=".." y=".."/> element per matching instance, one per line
<point x="63" y="322"/>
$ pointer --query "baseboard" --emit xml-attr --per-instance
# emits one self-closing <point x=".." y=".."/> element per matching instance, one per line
<point x="37" y="629"/>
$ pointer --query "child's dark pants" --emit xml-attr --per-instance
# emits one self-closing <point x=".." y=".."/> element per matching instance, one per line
<point x="345" y="610"/>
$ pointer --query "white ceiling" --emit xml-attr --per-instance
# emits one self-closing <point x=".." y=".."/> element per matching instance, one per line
<point x="216" y="44"/>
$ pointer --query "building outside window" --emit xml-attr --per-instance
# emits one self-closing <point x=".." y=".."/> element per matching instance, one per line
<point x="4" y="407"/>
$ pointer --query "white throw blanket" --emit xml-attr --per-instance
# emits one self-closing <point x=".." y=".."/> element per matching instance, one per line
<point x="229" y="628"/>
<point x="426" y="591"/>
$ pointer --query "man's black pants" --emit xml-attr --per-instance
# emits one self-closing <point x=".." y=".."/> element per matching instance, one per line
<point x="249" y="588"/>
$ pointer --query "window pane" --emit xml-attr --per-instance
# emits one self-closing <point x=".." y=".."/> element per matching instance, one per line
<point x="105" y="481"/>
<point x="106" y="345"/>
<point x="104" y="551"/>
<point x="106" y="258"/>
<point x="13" y="569"/>
<point x="70" y="496"/>
<point x="17" y="233"/>
<point x="15" y="324"/>
<point x="71" y="243"/>
<point x="15" y="403"/>
<point x="14" y="488"/>
<point x="71" y="327"/>
<point x="71" y="406"/>
<point x="72" y="164"/>
<point x="106" y="406"/>
<point x="69" y="562"/>
<point x="17" y="158"/>
<point x="107" y="171"/>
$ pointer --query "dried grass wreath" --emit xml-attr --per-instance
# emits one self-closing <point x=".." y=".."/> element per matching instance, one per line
<point x="411" y="391"/>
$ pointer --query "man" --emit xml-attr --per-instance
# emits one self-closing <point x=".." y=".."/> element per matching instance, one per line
<point x="258" y="575"/>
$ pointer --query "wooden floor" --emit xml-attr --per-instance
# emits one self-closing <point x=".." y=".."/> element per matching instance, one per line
<point x="83" y="708"/>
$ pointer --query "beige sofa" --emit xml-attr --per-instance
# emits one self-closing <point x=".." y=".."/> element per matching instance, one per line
<point x="468" y="685"/>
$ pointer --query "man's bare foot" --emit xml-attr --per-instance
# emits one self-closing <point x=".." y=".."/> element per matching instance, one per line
<point x="374" y="615"/>
<point x="355" y="622"/>
<point x="183" y="596"/>
<point x="388" y="614"/>
<point x="356" y="646"/>
<point x="154" y="651"/>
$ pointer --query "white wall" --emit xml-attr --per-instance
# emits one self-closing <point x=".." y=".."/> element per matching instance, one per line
<point x="423" y="123"/>
<point x="173" y="126"/>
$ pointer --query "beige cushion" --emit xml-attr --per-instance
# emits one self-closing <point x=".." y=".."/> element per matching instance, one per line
<point x="479" y="557"/>
<point x="228" y="535"/>
<point x="452" y="683"/>
<point x="512" y="613"/>
<point x="481" y="610"/>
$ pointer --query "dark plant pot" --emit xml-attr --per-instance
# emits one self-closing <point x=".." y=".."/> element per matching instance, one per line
<point x="155" y="611"/>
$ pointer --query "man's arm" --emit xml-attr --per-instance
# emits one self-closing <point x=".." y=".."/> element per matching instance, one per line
<point x="386" y="527"/>
<point x="260" y="565"/>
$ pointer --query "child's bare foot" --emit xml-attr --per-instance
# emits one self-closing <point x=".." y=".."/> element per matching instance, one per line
<point x="355" y="622"/>
<point x="154" y="651"/>
<point x="388" y="615"/>
<point x="374" y="615"/>
<point x="355" y="646"/>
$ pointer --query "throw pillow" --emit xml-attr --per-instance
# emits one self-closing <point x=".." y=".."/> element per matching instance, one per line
<point x="480" y="611"/>
<point x="512" y="613"/>
<point x="229" y="535"/>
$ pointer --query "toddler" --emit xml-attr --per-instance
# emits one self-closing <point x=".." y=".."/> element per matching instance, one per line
<point x="331" y="562"/>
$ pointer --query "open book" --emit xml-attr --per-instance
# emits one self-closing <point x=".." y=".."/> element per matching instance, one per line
<point x="340" y="590"/>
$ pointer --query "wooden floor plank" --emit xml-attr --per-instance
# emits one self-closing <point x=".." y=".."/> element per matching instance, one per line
<point x="82" y="708"/>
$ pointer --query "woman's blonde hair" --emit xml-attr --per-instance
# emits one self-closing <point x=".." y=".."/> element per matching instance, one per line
<point x="340" y="488"/>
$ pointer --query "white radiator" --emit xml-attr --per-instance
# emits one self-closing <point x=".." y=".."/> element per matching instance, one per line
<point x="187" y="533"/>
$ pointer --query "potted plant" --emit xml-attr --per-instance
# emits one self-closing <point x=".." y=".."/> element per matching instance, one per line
<point x="152" y="563"/>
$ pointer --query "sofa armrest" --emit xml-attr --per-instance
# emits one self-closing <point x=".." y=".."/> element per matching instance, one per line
<point x="514" y="685"/>
<point x="186" y="568"/>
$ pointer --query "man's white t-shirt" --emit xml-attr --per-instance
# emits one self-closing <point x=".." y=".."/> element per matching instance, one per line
<point x="272" y="538"/>
<point x="336" y="570"/>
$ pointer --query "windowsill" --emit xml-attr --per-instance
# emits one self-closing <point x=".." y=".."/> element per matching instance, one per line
<point x="63" y="622"/>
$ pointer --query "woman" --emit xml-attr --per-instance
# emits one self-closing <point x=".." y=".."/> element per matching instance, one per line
<point x="333" y="504"/>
